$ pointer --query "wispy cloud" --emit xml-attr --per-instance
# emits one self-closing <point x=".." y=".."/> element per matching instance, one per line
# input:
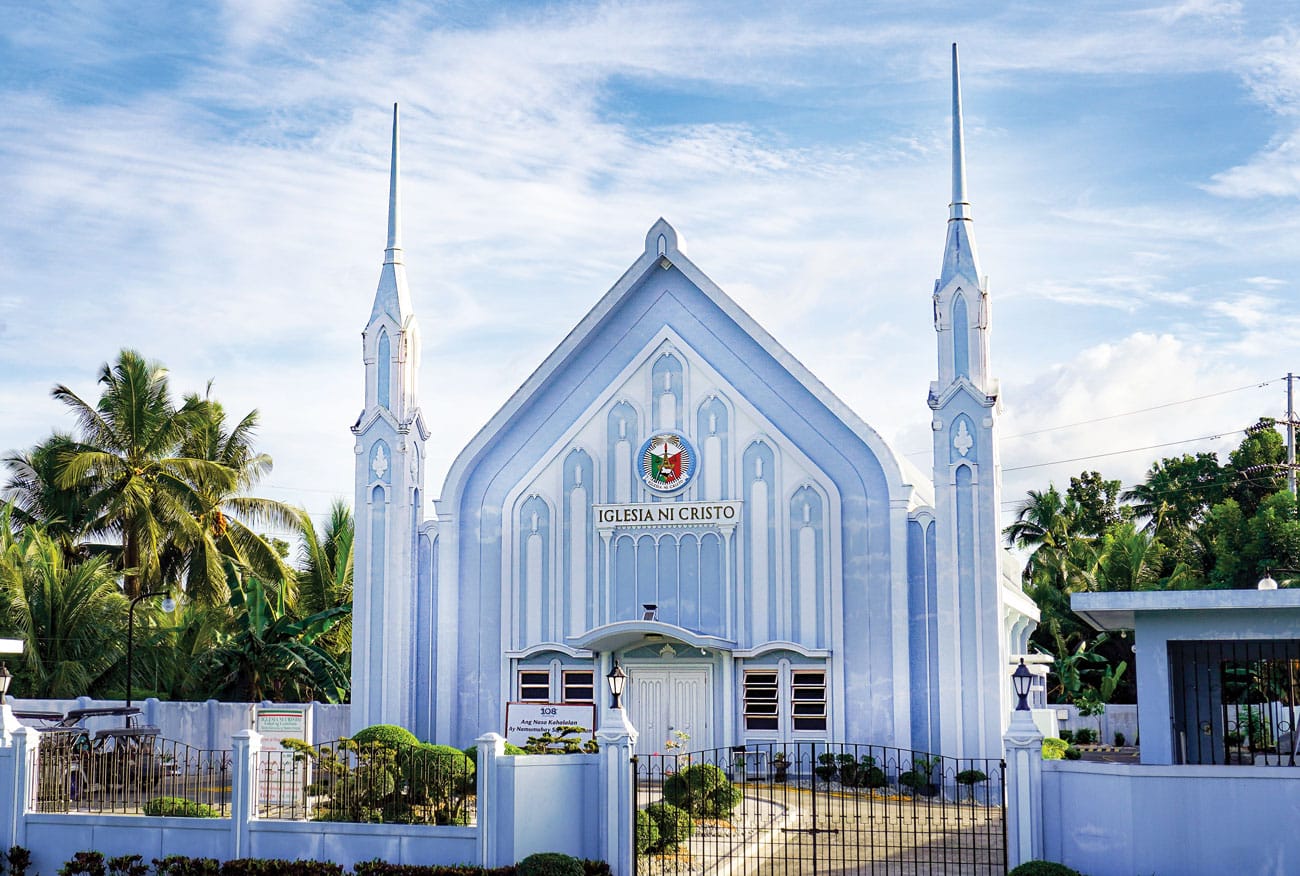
<point x="215" y="198"/>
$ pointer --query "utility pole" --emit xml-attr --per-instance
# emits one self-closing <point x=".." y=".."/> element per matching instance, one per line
<point x="1290" y="433"/>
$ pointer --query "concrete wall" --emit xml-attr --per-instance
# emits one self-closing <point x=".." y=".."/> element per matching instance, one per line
<point x="207" y="725"/>
<point x="1123" y="719"/>
<point x="1165" y="820"/>
<point x="569" y="784"/>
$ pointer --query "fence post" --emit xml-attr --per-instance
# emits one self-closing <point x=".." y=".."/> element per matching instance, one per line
<point x="1024" y="747"/>
<point x="617" y="740"/>
<point x="246" y="750"/>
<point x="490" y="747"/>
<point x="16" y="756"/>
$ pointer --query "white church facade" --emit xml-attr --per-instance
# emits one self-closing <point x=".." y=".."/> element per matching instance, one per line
<point x="673" y="491"/>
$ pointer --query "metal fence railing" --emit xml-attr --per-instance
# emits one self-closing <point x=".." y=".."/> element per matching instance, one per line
<point x="819" y="808"/>
<point x="372" y="782"/>
<point x="129" y="772"/>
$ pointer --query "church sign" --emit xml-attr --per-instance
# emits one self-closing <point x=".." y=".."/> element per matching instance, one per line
<point x="526" y="721"/>
<point x="667" y="514"/>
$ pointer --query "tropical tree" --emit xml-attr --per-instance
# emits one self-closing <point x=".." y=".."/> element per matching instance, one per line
<point x="325" y="576"/>
<point x="223" y="522"/>
<point x="126" y="456"/>
<point x="70" y="616"/>
<point x="266" y="653"/>
<point x="66" y="514"/>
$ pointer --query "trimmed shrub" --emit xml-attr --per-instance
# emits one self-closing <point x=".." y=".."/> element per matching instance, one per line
<point x="971" y="777"/>
<point x="549" y="864"/>
<point x="385" y="734"/>
<point x="647" y="832"/>
<point x="1119" y="739"/>
<point x="441" y="777"/>
<point x="675" y="825"/>
<point x="127" y="865"/>
<point x="510" y="751"/>
<point x="703" y="790"/>
<point x="595" y="868"/>
<point x="1073" y="753"/>
<point x="88" y="863"/>
<point x="378" y="867"/>
<point x="19" y="860"/>
<point x="1085" y="736"/>
<point x="1043" y="868"/>
<point x="1067" y="735"/>
<point x="182" y="865"/>
<point x="1053" y="748"/>
<point x="277" y="867"/>
<point x="179" y="807"/>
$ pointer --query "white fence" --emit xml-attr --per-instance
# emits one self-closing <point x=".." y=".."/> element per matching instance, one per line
<point x="525" y="804"/>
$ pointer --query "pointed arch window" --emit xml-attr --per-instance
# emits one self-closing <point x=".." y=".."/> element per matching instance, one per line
<point x="383" y="373"/>
<point x="960" y="337"/>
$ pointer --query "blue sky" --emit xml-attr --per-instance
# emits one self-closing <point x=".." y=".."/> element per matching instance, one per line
<point x="207" y="183"/>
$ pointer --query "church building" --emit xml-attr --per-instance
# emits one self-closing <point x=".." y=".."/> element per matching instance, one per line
<point x="672" y="490"/>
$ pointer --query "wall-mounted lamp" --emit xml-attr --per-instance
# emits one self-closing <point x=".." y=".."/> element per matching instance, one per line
<point x="1022" y="678"/>
<point x="616" y="679"/>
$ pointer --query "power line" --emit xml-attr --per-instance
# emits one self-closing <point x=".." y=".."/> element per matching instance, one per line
<point x="1112" y="453"/>
<point x="1158" y="407"/>
<point x="1143" y="410"/>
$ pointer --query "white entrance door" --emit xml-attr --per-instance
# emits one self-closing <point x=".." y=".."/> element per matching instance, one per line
<point x="663" y="702"/>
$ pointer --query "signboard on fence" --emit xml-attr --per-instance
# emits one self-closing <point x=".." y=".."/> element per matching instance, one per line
<point x="528" y="720"/>
<point x="282" y="778"/>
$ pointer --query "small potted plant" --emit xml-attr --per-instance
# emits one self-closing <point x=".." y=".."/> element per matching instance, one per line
<point x="971" y="778"/>
<point x="780" y="766"/>
<point x="919" y="779"/>
<point x="737" y="771"/>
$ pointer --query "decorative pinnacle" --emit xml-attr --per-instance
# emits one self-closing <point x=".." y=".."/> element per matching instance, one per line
<point x="393" y="254"/>
<point x="960" y="207"/>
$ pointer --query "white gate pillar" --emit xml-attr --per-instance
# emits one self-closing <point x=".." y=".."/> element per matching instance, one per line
<point x="617" y="740"/>
<point x="491" y="746"/>
<point x="1023" y="744"/>
<point x="246" y="752"/>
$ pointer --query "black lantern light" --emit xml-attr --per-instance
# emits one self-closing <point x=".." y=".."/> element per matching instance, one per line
<point x="5" y="678"/>
<point x="1022" y="679"/>
<point x="616" y="679"/>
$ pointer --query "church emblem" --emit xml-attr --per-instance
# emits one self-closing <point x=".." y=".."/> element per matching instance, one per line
<point x="666" y="462"/>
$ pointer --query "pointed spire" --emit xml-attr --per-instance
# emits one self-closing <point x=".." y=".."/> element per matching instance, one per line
<point x="392" y="296"/>
<point x="959" y="256"/>
<point x="959" y="207"/>
<point x="394" y="252"/>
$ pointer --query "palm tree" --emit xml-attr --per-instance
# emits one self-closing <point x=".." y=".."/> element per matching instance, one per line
<point x="71" y="617"/>
<point x="325" y="579"/>
<point x="126" y="458"/>
<point x="65" y="514"/>
<point x="222" y="518"/>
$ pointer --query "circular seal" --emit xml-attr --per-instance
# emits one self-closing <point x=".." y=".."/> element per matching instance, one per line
<point x="666" y="462"/>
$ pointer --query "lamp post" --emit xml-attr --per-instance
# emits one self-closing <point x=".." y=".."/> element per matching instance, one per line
<point x="168" y="605"/>
<point x="1022" y="679"/>
<point x="616" y="679"/>
<point x="1267" y="582"/>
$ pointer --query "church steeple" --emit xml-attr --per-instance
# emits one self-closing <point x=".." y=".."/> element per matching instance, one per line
<point x="961" y="305"/>
<point x="970" y="665"/>
<point x="390" y="436"/>
<point x="392" y="296"/>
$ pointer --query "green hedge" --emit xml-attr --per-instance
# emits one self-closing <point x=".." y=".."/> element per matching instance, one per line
<point x="179" y="807"/>
<point x="1043" y="868"/>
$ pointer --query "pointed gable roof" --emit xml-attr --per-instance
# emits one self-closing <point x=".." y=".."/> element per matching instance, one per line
<point x="664" y="250"/>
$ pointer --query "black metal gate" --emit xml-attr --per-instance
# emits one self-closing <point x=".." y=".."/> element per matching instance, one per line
<point x="818" y="809"/>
